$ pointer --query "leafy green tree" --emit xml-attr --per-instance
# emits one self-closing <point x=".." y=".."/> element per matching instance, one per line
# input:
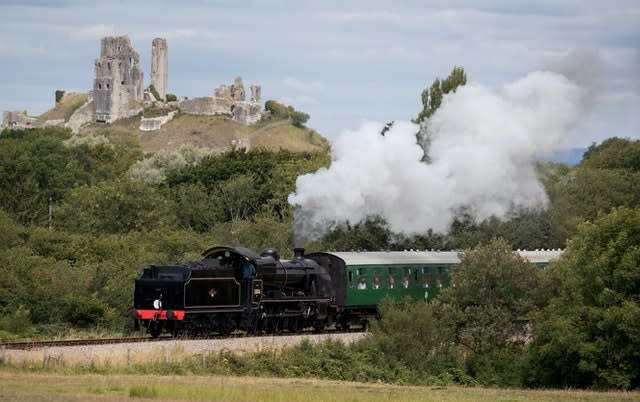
<point x="34" y="167"/>
<point x="277" y="109"/>
<point x="613" y="153"/>
<point x="416" y="334"/>
<point x="589" y="334"/>
<point x="371" y="234"/>
<point x="299" y="119"/>
<point x="585" y="193"/>
<point x="432" y="97"/>
<point x="494" y="293"/>
<point x="118" y="206"/>
<point x="194" y="207"/>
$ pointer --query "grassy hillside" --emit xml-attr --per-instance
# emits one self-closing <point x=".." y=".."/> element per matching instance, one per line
<point x="63" y="110"/>
<point x="217" y="132"/>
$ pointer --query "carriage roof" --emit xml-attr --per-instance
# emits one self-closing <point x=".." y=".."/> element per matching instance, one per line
<point x="430" y="257"/>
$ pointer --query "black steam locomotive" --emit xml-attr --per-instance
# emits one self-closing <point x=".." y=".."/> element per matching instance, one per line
<point x="237" y="289"/>
<point x="234" y="288"/>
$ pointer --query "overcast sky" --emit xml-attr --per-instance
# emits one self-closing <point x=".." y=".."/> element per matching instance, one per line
<point x="343" y="62"/>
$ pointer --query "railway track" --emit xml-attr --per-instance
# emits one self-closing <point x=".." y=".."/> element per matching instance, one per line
<point x="28" y="345"/>
<point x="31" y="345"/>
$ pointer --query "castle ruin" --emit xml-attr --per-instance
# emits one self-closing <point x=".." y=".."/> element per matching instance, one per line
<point x="230" y="100"/>
<point x="119" y="92"/>
<point x="118" y="87"/>
<point x="159" y="70"/>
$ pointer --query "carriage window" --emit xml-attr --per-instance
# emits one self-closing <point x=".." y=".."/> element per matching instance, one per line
<point x="377" y="284"/>
<point x="426" y="279"/>
<point x="350" y="278"/>
<point x="391" y="280"/>
<point x="405" y="278"/>
<point x="440" y="280"/>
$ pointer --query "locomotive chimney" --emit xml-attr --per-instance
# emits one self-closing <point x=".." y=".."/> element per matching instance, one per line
<point x="298" y="253"/>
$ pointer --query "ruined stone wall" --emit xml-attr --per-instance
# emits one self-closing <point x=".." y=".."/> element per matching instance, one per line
<point x="206" y="105"/>
<point x="159" y="66"/>
<point x="118" y="86"/>
<point x="82" y="116"/>
<point x="17" y="120"/>
<point x="230" y="100"/>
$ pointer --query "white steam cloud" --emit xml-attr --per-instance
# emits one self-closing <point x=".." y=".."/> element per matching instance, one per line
<point x="482" y="145"/>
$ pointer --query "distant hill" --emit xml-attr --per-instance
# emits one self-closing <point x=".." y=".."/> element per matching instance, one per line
<point x="217" y="132"/>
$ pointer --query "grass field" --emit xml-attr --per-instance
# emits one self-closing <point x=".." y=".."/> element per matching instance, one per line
<point x="19" y="386"/>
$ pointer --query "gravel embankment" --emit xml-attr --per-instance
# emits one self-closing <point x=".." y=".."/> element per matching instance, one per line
<point x="170" y="350"/>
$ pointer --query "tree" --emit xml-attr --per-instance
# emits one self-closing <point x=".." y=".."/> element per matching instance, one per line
<point x="613" y="153"/>
<point x="589" y="334"/>
<point x="117" y="206"/>
<point x="494" y="293"/>
<point x="299" y="119"/>
<point x="432" y="97"/>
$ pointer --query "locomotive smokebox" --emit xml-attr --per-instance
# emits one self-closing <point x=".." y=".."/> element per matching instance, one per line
<point x="298" y="253"/>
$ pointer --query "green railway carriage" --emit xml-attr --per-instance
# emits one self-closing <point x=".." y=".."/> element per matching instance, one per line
<point x="370" y="277"/>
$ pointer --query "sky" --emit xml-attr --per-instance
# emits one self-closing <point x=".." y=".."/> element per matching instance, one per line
<point x="344" y="63"/>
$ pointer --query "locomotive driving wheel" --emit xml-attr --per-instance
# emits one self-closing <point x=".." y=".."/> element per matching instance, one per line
<point x="155" y="328"/>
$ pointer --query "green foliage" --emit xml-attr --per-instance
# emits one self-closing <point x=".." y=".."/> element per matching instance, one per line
<point x="84" y="311"/>
<point x="154" y="92"/>
<point x="171" y="98"/>
<point x="432" y="97"/>
<point x="613" y="153"/>
<point x="59" y="95"/>
<point x="495" y="293"/>
<point x="372" y="234"/>
<point x="241" y="183"/>
<point x="417" y="335"/>
<point x="143" y="391"/>
<point x="16" y="323"/>
<point x="299" y="119"/>
<point x="277" y="109"/>
<point x="589" y="335"/>
<point x="152" y="170"/>
<point x="117" y="206"/>
<point x="35" y="166"/>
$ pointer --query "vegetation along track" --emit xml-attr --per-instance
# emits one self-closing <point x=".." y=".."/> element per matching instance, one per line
<point x="29" y="345"/>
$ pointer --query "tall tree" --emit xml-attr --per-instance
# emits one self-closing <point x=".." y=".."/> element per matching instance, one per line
<point x="432" y="96"/>
<point x="589" y="334"/>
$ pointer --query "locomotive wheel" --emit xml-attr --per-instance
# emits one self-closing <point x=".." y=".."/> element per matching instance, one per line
<point x="155" y="329"/>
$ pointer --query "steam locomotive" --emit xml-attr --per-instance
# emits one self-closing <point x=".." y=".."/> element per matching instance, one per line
<point x="233" y="288"/>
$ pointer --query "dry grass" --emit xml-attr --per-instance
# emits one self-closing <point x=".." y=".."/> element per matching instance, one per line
<point x="292" y="138"/>
<point x="216" y="133"/>
<point x="64" y="109"/>
<point x="16" y="386"/>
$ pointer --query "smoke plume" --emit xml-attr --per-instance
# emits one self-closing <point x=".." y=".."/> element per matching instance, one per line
<point x="482" y="147"/>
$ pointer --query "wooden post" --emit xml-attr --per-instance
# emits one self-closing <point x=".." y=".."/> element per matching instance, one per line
<point x="90" y="359"/>
<point x="128" y="357"/>
<point x="45" y="358"/>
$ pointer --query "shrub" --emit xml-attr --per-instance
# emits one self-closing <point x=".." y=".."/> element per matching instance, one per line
<point x="59" y="95"/>
<point x="154" y="91"/>
<point x="299" y="119"/>
<point x="171" y="97"/>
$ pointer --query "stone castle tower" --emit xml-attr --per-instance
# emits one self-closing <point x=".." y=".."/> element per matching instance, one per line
<point x="159" y="62"/>
<point x="118" y="86"/>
